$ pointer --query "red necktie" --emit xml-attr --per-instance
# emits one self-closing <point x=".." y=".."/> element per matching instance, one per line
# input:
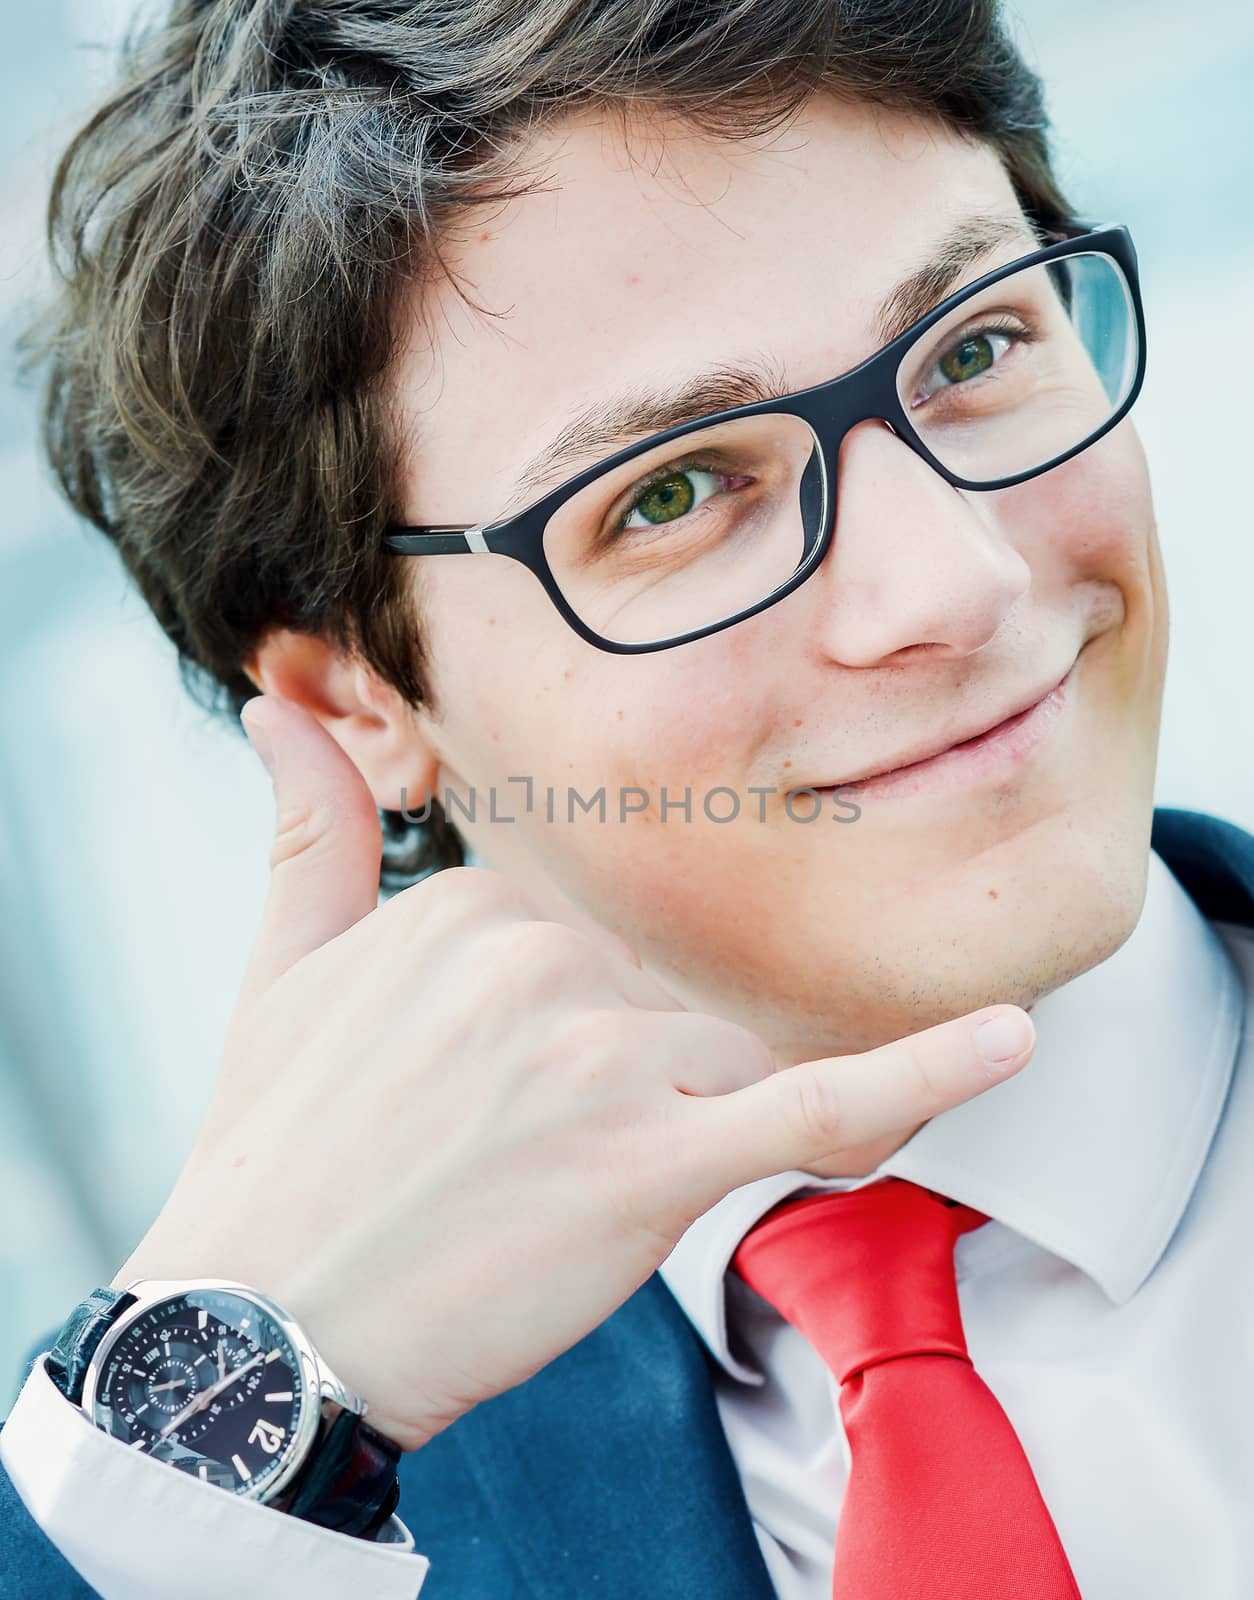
<point x="941" y="1502"/>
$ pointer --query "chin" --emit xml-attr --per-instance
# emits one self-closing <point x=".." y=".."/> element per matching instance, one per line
<point x="991" y="931"/>
<point x="1073" y="902"/>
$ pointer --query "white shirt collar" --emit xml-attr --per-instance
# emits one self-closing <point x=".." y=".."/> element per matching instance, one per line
<point x="1092" y="1151"/>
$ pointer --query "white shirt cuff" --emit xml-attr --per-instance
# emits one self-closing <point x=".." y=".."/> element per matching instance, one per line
<point x="137" y="1529"/>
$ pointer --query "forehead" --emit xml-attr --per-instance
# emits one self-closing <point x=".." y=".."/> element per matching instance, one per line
<point x="653" y="250"/>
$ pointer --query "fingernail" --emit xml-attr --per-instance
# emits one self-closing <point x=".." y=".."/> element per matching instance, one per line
<point x="259" y="739"/>
<point x="1003" y="1038"/>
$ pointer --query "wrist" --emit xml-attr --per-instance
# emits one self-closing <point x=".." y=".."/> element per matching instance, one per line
<point x="396" y="1404"/>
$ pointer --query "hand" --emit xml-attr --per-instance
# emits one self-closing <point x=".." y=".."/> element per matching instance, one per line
<point x="206" y="1397"/>
<point x="450" y="1137"/>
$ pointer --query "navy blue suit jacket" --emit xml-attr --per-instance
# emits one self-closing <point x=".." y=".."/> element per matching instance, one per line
<point x="608" y="1473"/>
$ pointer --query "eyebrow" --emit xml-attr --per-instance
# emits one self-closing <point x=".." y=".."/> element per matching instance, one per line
<point x="962" y="247"/>
<point x="637" y="412"/>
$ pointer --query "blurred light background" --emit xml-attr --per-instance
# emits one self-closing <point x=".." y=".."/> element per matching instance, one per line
<point x="134" y="832"/>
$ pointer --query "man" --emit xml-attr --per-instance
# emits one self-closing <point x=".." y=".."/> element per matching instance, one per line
<point x="668" y="1187"/>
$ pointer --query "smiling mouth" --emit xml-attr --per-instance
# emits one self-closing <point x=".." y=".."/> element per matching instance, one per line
<point x="1003" y="743"/>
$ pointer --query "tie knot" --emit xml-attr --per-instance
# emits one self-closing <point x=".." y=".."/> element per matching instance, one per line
<point x="866" y="1275"/>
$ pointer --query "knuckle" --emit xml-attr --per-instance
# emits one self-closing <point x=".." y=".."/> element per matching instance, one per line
<point x="536" y="949"/>
<point x="752" y="1055"/>
<point x="582" y="1041"/>
<point x="299" y="830"/>
<point x="464" y="888"/>
<point x="623" y="947"/>
<point x="819" y="1109"/>
<point x="923" y="1076"/>
<point x="554" y="945"/>
<point x="452" y="898"/>
<point x="732" y="1056"/>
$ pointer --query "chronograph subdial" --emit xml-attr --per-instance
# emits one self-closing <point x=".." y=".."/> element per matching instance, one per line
<point x="242" y="1356"/>
<point x="168" y="1386"/>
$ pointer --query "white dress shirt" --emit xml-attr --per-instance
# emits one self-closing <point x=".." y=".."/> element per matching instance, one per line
<point x="137" y="1529"/>
<point x="1109" y="1306"/>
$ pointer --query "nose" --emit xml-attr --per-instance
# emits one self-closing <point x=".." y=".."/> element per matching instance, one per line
<point x="913" y="563"/>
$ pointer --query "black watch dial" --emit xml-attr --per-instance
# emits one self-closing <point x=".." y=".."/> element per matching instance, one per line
<point x="209" y="1382"/>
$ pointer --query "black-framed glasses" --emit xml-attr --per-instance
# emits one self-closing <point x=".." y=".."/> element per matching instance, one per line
<point x="706" y="524"/>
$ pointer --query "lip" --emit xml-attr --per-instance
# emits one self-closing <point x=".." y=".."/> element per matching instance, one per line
<point x="987" y="752"/>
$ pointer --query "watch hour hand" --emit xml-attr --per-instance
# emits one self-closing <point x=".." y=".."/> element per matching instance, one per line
<point x="207" y="1397"/>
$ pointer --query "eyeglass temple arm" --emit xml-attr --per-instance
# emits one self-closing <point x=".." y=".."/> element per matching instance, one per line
<point x="439" y="539"/>
<point x="1076" y="229"/>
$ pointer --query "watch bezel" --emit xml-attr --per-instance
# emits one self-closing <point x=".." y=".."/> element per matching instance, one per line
<point x="320" y="1384"/>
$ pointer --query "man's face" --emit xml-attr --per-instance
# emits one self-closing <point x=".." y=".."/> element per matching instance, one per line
<point x="650" y="258"/>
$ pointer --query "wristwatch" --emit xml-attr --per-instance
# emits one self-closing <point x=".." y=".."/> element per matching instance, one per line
<point x="216" y="1380"/>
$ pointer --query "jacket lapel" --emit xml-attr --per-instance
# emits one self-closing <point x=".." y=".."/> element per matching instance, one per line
<point x="1213" y="859"/>
<point x="607" y="1474"/>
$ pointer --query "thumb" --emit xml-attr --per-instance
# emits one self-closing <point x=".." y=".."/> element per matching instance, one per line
<point x="824" y="1111"/>
<point x="324" y="863"/>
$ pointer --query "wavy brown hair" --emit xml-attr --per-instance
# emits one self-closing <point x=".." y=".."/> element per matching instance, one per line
<point x="232" y="226"/>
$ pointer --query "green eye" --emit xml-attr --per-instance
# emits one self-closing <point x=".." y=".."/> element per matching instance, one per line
<point x="664" y="501"/>
<point x="968" y="359"/>
<point x="974" y="353"/>
<point x="674" y="496"/>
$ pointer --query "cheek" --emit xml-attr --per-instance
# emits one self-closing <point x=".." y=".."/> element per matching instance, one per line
<point x="1091" y="518"/>
<point x="697" y="716"/>
<point x="489" y="632"/>
<point x="521" y="695"/>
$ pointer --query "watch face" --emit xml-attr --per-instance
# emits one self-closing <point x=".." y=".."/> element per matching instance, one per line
<point x="208" y="1381"/>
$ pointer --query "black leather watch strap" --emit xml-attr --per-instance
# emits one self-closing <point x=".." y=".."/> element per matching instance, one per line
<point x="80" y="1338"/>
<point x="349" y="1482"/>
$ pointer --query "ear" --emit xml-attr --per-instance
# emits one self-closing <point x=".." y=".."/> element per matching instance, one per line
<point x="387" y="740"/>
